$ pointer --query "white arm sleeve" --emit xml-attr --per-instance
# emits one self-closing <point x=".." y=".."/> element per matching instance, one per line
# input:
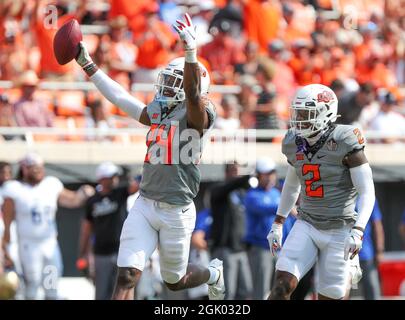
<point x="290" y="193"/>
<point x="117" y="95"/>
<point x="362" y="179"/>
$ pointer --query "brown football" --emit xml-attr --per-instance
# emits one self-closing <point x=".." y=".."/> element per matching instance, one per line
<point x="66" y="42"/>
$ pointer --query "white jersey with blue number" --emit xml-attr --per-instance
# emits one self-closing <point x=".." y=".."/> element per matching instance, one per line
<point x="35" y="207"/>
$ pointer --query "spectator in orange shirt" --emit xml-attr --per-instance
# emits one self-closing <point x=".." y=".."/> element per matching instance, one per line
<point x="28" y="111"/>
<point x="133" y="10"/>
<point x="14" y="47"/>
<point x="335" y="67"/>
<point x="154" y="43"/>
<point x="376" y="71"/>
<point x="362" y="51"/>
<point x="122" y="52"/>
<point x="50" y="68"/>
<point x="13" y="51"/>
<point x="222" y="53"/>
<point x="261" y="21"/>
<point x="289" y="30"/>
<point x="302" y="64"/>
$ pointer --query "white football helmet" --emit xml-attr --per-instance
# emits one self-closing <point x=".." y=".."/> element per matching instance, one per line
<point x="169" y="86"/>
<point x="313" y="109"/>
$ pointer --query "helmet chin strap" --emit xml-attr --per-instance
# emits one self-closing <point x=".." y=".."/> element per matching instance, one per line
<point x="312" y="139"/>
<point x="172" y="104"/>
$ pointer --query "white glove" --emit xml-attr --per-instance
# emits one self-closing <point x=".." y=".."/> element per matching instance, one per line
<point x="275" y="237"/>
<point x="353" y="243"/>
<point x="187" y="33"/>
<point x="83" y="58"/>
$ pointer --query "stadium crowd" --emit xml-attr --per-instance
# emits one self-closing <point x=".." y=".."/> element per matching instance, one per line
<point x="267" y="48"/>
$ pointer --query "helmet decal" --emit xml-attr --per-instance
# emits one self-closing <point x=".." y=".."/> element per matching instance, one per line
<point x="325" y="96"/>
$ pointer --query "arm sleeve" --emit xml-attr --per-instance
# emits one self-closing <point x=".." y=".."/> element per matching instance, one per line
<point x="290" y="193"/>
<point x="116" y="94"/>
<point x="362" y="179"/>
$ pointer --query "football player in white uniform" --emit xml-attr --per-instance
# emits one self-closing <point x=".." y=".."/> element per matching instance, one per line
<point x="5" y="175"/>
<point x="164" y="213"/>
<point x="328" y="170"/>
<point x="32" y="200"/>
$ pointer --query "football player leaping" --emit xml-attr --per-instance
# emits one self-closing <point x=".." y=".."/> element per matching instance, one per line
<point x="164" y="214"/>
<point x="328" y="169"/>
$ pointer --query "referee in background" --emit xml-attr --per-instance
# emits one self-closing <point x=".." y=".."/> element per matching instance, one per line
<point x="101" y="228"/>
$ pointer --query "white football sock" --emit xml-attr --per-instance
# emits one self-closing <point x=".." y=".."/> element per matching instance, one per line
<point x="214" y="275"/>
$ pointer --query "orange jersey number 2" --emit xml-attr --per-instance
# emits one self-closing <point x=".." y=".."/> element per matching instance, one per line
<point x="316" y="176"/>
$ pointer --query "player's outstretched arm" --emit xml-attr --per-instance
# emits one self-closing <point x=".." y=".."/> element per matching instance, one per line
<point x="75" y="199"/>
<point x="362" y="179"/>
<point x="110" y="89"/>
<point x="197" y="117"/>
<point x="289" y="196"/>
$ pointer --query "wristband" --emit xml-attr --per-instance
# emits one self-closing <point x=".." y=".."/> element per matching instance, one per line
<point x="89" y="67"/>
<point x="191" y="56"/>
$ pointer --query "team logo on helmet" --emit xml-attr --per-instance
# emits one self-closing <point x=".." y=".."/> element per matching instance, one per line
<point x="325" y="96"/>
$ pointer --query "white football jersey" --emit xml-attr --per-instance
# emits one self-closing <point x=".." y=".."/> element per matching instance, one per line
<point x="35" y="207"/>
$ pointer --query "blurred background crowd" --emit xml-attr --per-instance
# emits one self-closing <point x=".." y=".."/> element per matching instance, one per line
<point x="266" y="48"/>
